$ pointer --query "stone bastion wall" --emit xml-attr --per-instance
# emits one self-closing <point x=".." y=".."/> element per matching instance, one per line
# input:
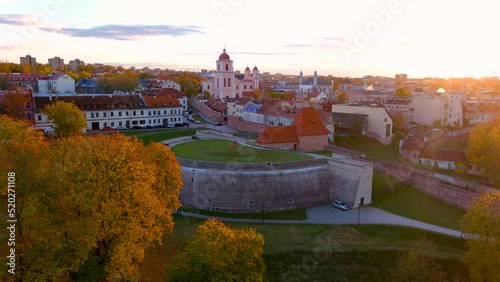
<point x="241" y="188"/>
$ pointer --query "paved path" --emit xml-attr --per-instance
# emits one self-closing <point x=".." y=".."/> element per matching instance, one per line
<point x="329" y="215"/>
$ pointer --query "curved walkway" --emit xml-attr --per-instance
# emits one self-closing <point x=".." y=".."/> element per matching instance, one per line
<point x="329" y="215"/>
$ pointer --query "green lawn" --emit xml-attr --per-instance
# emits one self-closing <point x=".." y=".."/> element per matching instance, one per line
<point x="198" y="117"/>
<point x="370" y="146"/>
<point x="395" y="197"/>
<point x="456" y="143"/>
<point x="159" y="135"/>
<point x="218" y="150"/>
<point x="322" y="252"/>
<point x="297" y="214"/>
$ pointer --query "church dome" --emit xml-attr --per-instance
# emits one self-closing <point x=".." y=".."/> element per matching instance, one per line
<point x="255" y="68"/>
<point x="224" y="55"/>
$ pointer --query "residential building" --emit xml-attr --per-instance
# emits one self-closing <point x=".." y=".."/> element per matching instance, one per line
<point x="27" y="81"/>
<point x="172" y="92"/>
<point x="477" y="111"/>
<point x="74" y="64"/>
<point x="225" y="84"/>
<point x="401" y="111"/>
<point x="56" y="63"/>
<point x="379" y="122"/>
<point x="23" y="108"/>
<point x="116" y="110"/>
<point x="453" y="109"/>
<point x="56" y="83"/>
<point x="28" y="60"/>
<point x="428" y="108"/>
<point x="171" y="84"/>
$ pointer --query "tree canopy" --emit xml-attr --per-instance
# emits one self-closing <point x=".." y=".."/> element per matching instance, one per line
<point x="67" y="118"/>
<point x="87" y="206"/>
<point x="218" y="253"/>
<point x="482" y="224"/>
<point x="484" y="149"/>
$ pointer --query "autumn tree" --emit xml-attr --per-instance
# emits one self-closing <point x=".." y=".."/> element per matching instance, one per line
<point x="218" y="253"/>
<point x="482" y="224"/>
<point x="15" y="101"/>
<point x="93" y="205"/>
<point x="67" y="118"/>
<point x="257" y="94"/>
<point x="484" y="149"/>
<point x="342" y="97"/>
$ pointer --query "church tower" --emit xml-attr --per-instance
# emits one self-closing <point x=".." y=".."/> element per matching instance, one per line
<point x="256" y="78"/>
<point x="315" y="78"/>
<point x="301" y="78"/>
<point x="224" y="83"/>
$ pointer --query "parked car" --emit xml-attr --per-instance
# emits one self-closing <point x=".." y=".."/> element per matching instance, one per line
<point x="107" y="128"/>
<point x="171" y="125"/>
<point x="218" y="124"/>
<point x="120" y="128"/>
<point x="149" y="127"/>
<point x="137" y="127"/>
<point x="340" y="205"/>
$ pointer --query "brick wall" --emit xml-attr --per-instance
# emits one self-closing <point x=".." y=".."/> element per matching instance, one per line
<point x="313" y="143"/>
<point x="211" y="114"/>
<point x="281" y="146"/>
<point x="245" y="126"/>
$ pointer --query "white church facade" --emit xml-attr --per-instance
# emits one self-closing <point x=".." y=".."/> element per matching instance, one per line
<point x="225" y="84"/>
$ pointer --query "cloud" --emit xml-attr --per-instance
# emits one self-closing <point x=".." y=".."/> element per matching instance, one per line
<point x="126" y="32"/>
<point x="16" y="20"/>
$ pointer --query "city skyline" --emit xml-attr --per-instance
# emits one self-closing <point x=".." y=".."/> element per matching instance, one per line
<point x="382" y="37"/>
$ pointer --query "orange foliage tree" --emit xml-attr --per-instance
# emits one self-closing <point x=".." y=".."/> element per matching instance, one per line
<point x="91" y="204"/>
<point x="218" y="253"/>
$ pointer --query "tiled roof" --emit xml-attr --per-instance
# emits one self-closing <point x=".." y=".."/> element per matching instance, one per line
<point x="278" y="134"/>
<point x="412" y="143"/>
<point x="445" y="155"/>
<point x="219" y="107"/>
<point x="91" y="101"/>
<point x="171" y="92"/>
<point x="212" y="102"/>
<point x="161" y="101"/>
<point x="309" y="123"/>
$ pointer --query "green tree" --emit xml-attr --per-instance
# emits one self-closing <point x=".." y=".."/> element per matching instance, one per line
<point x="403" y="93"/>
<point x="484" y="149"/>
<point x="207" y="94"/>
<point x="219" y="253"/>
<point x="67" y="118"/>
<point x="482" y="224"/>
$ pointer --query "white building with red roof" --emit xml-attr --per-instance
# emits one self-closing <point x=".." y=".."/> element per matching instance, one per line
<point x="56" y="83"/>
<point x="225" y="84"/>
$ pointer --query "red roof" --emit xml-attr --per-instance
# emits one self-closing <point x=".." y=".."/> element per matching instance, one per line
<point x="159" y="101"/>
<point x="412" y="143"/>
<point x="170" y="92"/>
<point x="446" y="155"/>
<point x="278" y="134"/>
<point x="308" y="123"/>
<point x="219" y="107"/>
<point x="224" y="55"/>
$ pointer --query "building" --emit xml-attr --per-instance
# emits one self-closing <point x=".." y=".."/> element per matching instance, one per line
<point x="443" y="107"/>
<point x="171" y="84"/>
<point x="56" y="63"/>
<point x="116" y="110"/>
<point x="28" y="60"/>
<point x="307" y="133"/>
<point x="27" y="81"/>
<point x="19" y="103"/>
<point x="74" y="64"/>
<point x="56" y="83"/>
<point x="314" y="84"/>
<point x="225" y="84"/>
<point x="379" y="121"/>
<point x="401" y="111"/>
<point x="172" y="92"/>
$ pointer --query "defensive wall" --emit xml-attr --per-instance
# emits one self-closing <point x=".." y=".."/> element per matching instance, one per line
<point x="239" y="188"/>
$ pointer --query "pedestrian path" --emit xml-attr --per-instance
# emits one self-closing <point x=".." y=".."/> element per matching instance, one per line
<point x="329" y="215"/>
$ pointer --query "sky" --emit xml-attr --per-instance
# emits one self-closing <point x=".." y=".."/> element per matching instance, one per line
<point x="421" y="38"/>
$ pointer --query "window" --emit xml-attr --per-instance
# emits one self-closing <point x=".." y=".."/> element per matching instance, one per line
<point x="104" y="114"/>
<point x="227" y="67"/>
<point x="133" y="113"/>
<point x="142" y="113"/>
<point x="28" y="105"/>
<point x="112" y="124"/>
<point x="119" y="114"/>
<point x="112" y="113"/>
<point x="251" y="86"/>
<point x="149" y="113"/>
<point x="228" y="82"/>
<point x="208" y="86"/>
<point x="165" y="112"/>
<point x="91" y="115"/>
<point x="244" y="87"/>
<point x="387" y="130"/>
<point x="119" y="123"/>
<point x="224" y="82"/>
<point x="126" y="113"/>
<point x="96" y="115"/>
